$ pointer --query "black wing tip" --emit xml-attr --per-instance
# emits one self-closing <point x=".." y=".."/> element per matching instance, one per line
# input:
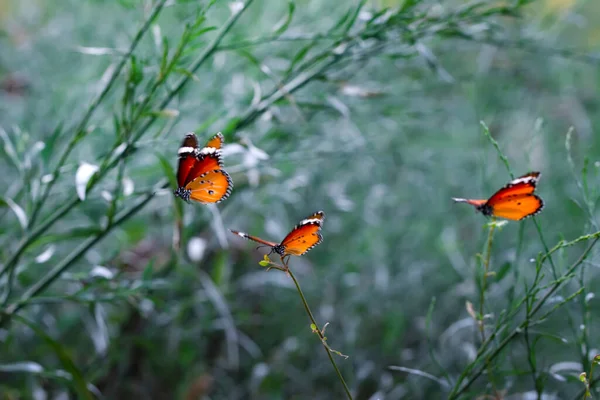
<point x="220" y="136"/>
<point x="536" y="212"/>
<point x="229" y="185"/>
<point x="314" y="245"/>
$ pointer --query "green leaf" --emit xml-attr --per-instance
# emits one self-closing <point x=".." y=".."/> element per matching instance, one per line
<point x="501" y="273"/>
<point x="49" y="142"/>
<point x="232" y="126"/>
<point x="10" y="150"/>
<point x="79" y="383"/>
<point x="299" y="56"/>
<point x="16" y="209"/>
<point x="282" y="26"/>
<point x="164" y="61"/>
<point x="167" y="169"/>
<point x="136" y="74"/>
<point x="202" y="31"/>
<point x="170" y="174"/>
<point x="147" y="274"/>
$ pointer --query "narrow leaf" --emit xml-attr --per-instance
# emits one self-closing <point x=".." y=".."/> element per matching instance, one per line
<point x="79" y="382"/>
<point x="282" y="25"/>
<point x="19" y="213"/>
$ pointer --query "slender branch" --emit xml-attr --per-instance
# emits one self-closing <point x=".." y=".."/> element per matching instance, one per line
<point x="458" y="390"/>
<point x="79" y="131"/>
<point x="318" y="330"/>
<point x="12" y="261"/>
<point x="486" y="269"/>
<point x="67" y="262"/>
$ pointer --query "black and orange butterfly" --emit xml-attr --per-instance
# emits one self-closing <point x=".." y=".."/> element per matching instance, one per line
<point x="514" y="201"/>
<point x="304" y="236"/>
<point x="200" y="175"/>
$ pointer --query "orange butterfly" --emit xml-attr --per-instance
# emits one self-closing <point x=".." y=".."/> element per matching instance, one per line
<point x="200" y="176"/>
<point x="301" y="239"/>
<point x="514" y="201"/>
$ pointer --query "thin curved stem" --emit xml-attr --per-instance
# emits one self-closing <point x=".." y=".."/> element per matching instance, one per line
<point x="318" y="330"/>
<point x="79" y="131"/>
<point x="458" y="388"/>
<point x="486" y="270"/>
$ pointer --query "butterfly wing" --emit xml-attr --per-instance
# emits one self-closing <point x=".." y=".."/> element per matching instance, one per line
<point x="254" y="238"/>
<point x="305" y="235"/>
<point x="187" y="158"/>
<point x="517" y="206"/>
<point x="216" y="141"/>
<point x="522" y="185"/>
<point x="212" y="186"/>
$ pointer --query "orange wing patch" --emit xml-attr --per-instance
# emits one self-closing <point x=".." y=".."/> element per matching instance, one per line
<point x="216" y="141"/>
<point x="514" y="201"/>
<point x="305" y="235"/>
<point x="302" y="239"/>
<point x="210" y="187"/>
<point x="518" y="207"/>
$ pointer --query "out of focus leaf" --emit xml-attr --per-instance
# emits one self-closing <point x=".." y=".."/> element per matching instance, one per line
<point x="79" y="382"/>
<point x="282" y="25"/>
<point x="502" y="271"/>
<point x="9" y="150"/>
<point x="17" y="210"/>
<point x="24" y="366"/>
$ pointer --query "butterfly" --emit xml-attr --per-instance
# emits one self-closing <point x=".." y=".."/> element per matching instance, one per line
<point x="200" y="174"/>
<point x="304" y="236"/>
<point x="514" y="201"/>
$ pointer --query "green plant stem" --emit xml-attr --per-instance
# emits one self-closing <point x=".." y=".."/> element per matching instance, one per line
<point x="458" y="389"/>
<point x="486" y="269"/>
<point x="541" y="235"/>
<point x="68" y="261"/>
<point x="79" y="130"/>
<point x="318" y="330"/>
<point x="125" y="153"/>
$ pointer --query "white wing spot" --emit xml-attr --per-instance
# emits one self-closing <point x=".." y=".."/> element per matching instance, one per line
<point x="183" y="150"/>
<point x="310" y="221"/>
<point x="208" y="150"/>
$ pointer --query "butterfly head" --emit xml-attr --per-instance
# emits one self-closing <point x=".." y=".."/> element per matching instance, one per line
<point x="279" y="249"/>
<point x="485" y="209"/>
<point x="183" y="193"/>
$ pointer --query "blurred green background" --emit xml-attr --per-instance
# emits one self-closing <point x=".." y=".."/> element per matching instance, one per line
<point x="368" y="111"/>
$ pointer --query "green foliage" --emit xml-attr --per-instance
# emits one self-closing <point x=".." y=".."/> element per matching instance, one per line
<point x="377" y="115"/>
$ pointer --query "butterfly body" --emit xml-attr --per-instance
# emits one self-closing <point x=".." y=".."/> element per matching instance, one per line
<point x="200" y="176"/>
<point x="305" y="235"/>
<point x="515" y="201"/>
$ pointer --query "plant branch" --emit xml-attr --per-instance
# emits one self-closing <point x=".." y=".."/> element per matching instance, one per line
<point x="317" y="330"/>
<point x="67" y="262"/>
<point x="458" y="390"/>
<point x="79" y="131"/>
